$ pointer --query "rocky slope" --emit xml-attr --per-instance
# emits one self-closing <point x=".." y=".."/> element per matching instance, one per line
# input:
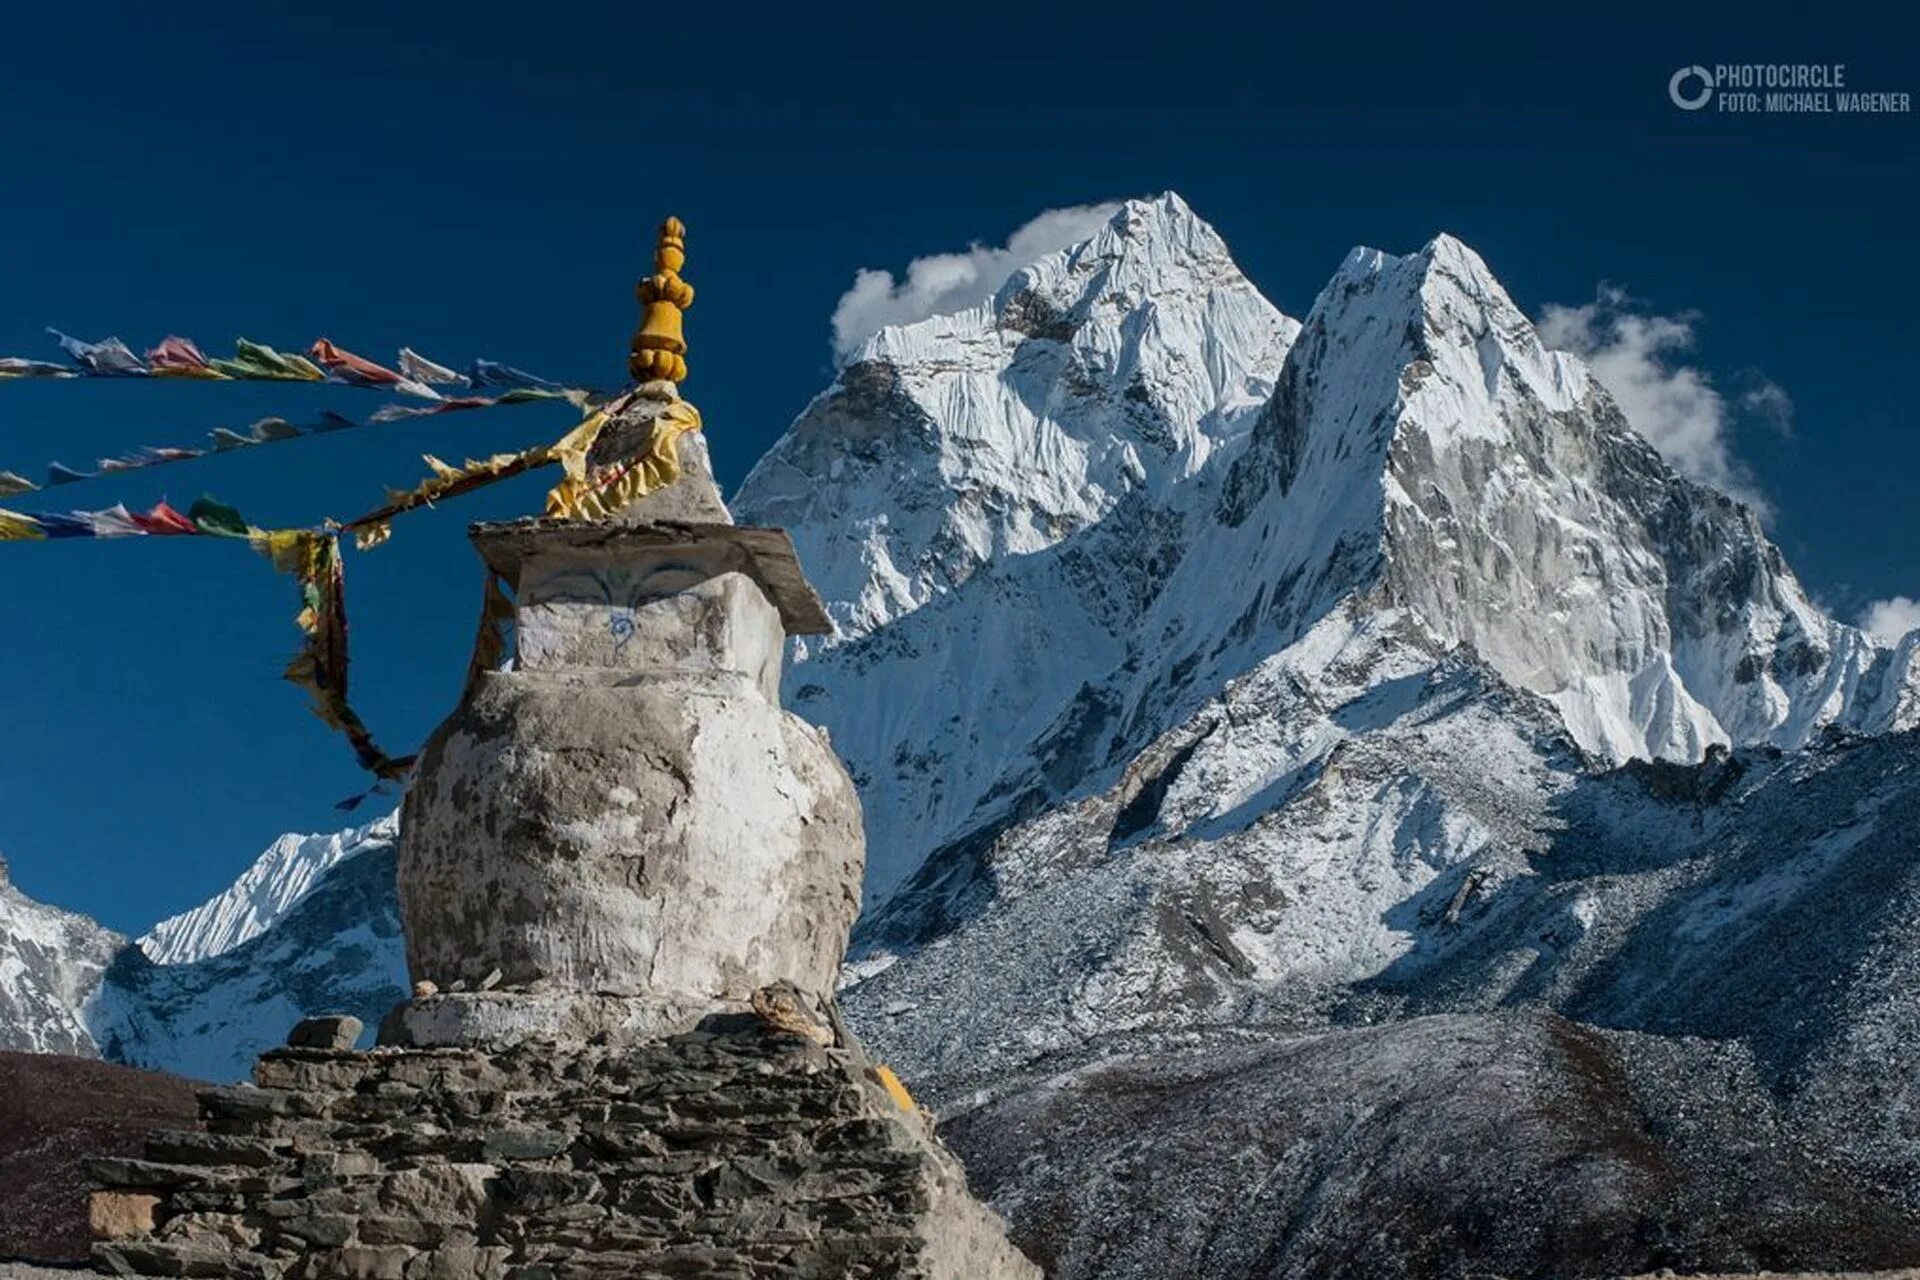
<point x="1519" y="1144"/>
<point x="55" y="1115"/>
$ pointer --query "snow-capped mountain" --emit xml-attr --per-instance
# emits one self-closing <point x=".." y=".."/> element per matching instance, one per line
<point x="287" y="872"/>
<point x="312" y="926"/>
<point x="1523" y="517"/>
<point x="337" y="949"/>
<point x="49" y="961"/>
<point x="1051" y="527"/>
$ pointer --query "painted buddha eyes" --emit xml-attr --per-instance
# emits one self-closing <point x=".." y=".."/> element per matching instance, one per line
<point x="620" y="627"/>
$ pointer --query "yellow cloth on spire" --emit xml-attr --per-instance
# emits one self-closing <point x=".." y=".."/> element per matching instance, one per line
<point x="595" y="497"/>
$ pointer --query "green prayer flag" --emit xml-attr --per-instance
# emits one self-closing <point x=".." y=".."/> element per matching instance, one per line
<point x="217" y="518"/>
<point x="256" y="360"/>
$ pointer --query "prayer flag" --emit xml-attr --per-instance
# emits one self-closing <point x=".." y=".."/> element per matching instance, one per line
<point x="420" y="369"/>
<point x="179" y="358"/>
<point x="213" y="517"/>
<point x="349" y="367"/>
<point x="170" y="453"/>
<point x="15" y="527"/>
<point x="69" y="525"/>
<point x="274" y="429"/>
<point x="107" y="358"/>
<point x="399" y="412"/>
<point x="20" y="367"/>
<point x="487" y="373"/>
<point x="115" y="522"/>
<point x="164" y="521"/>
<point x="523" y="395"/>
<point x="256" y="360"/>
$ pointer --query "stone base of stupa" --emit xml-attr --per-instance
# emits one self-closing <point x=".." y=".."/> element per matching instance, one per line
<point x="494" y="1020"/>
<point x="735" y="1151"/>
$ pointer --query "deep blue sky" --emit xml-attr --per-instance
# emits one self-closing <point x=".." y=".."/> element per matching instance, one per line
<point x="477" y="180"/>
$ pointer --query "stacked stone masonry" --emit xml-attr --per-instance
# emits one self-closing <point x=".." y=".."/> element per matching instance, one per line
<point x="730" y="1153"/>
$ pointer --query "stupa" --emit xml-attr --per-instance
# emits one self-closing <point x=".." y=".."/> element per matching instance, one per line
<point x="626" y="877"/>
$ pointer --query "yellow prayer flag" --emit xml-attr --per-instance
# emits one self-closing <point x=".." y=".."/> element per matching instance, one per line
<point x="18" y="528"/>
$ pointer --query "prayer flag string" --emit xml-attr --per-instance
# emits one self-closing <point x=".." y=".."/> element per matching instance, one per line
<point x="177" y="357"/>
<point x="312" y="556"/>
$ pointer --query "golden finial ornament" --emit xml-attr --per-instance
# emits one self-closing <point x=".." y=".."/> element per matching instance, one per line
<point x="660" y="344"/>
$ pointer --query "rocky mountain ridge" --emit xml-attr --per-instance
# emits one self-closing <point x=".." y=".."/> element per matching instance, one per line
<point x="290" y="869"/>
<point x="50" y="960"/>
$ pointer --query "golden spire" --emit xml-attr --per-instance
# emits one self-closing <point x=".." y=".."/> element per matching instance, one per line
<point x="659" y="344"/>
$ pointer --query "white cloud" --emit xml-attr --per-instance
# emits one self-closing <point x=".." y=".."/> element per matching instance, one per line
<point x="947" y="282"/>
<point x="1768" y="401"/>
<point x="1888" y="620"/>
<point x="1672" y="404"/>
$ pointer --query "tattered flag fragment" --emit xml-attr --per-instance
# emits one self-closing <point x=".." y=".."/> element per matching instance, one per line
<point x="164" y="522"/>
<point x="20" y="367"/>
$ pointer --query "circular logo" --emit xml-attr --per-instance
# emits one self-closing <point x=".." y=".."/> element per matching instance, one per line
<point x="1679" y="95"/>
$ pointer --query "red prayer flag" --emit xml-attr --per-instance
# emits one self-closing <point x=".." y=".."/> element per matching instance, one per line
<point x="353" y="368"/>
<point x="179" y="357"/>
<point x="163" y="521"/>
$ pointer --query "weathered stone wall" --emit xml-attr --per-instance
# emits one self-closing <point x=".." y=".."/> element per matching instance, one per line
<point x="732" y="1153"/>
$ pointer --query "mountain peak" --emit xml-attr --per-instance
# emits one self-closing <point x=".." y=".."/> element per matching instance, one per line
<point x="1147" y="248"/>
<point x="1521" y="516"/>
<point x="1116" y="366"/>
<point x="276" y="882"/>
